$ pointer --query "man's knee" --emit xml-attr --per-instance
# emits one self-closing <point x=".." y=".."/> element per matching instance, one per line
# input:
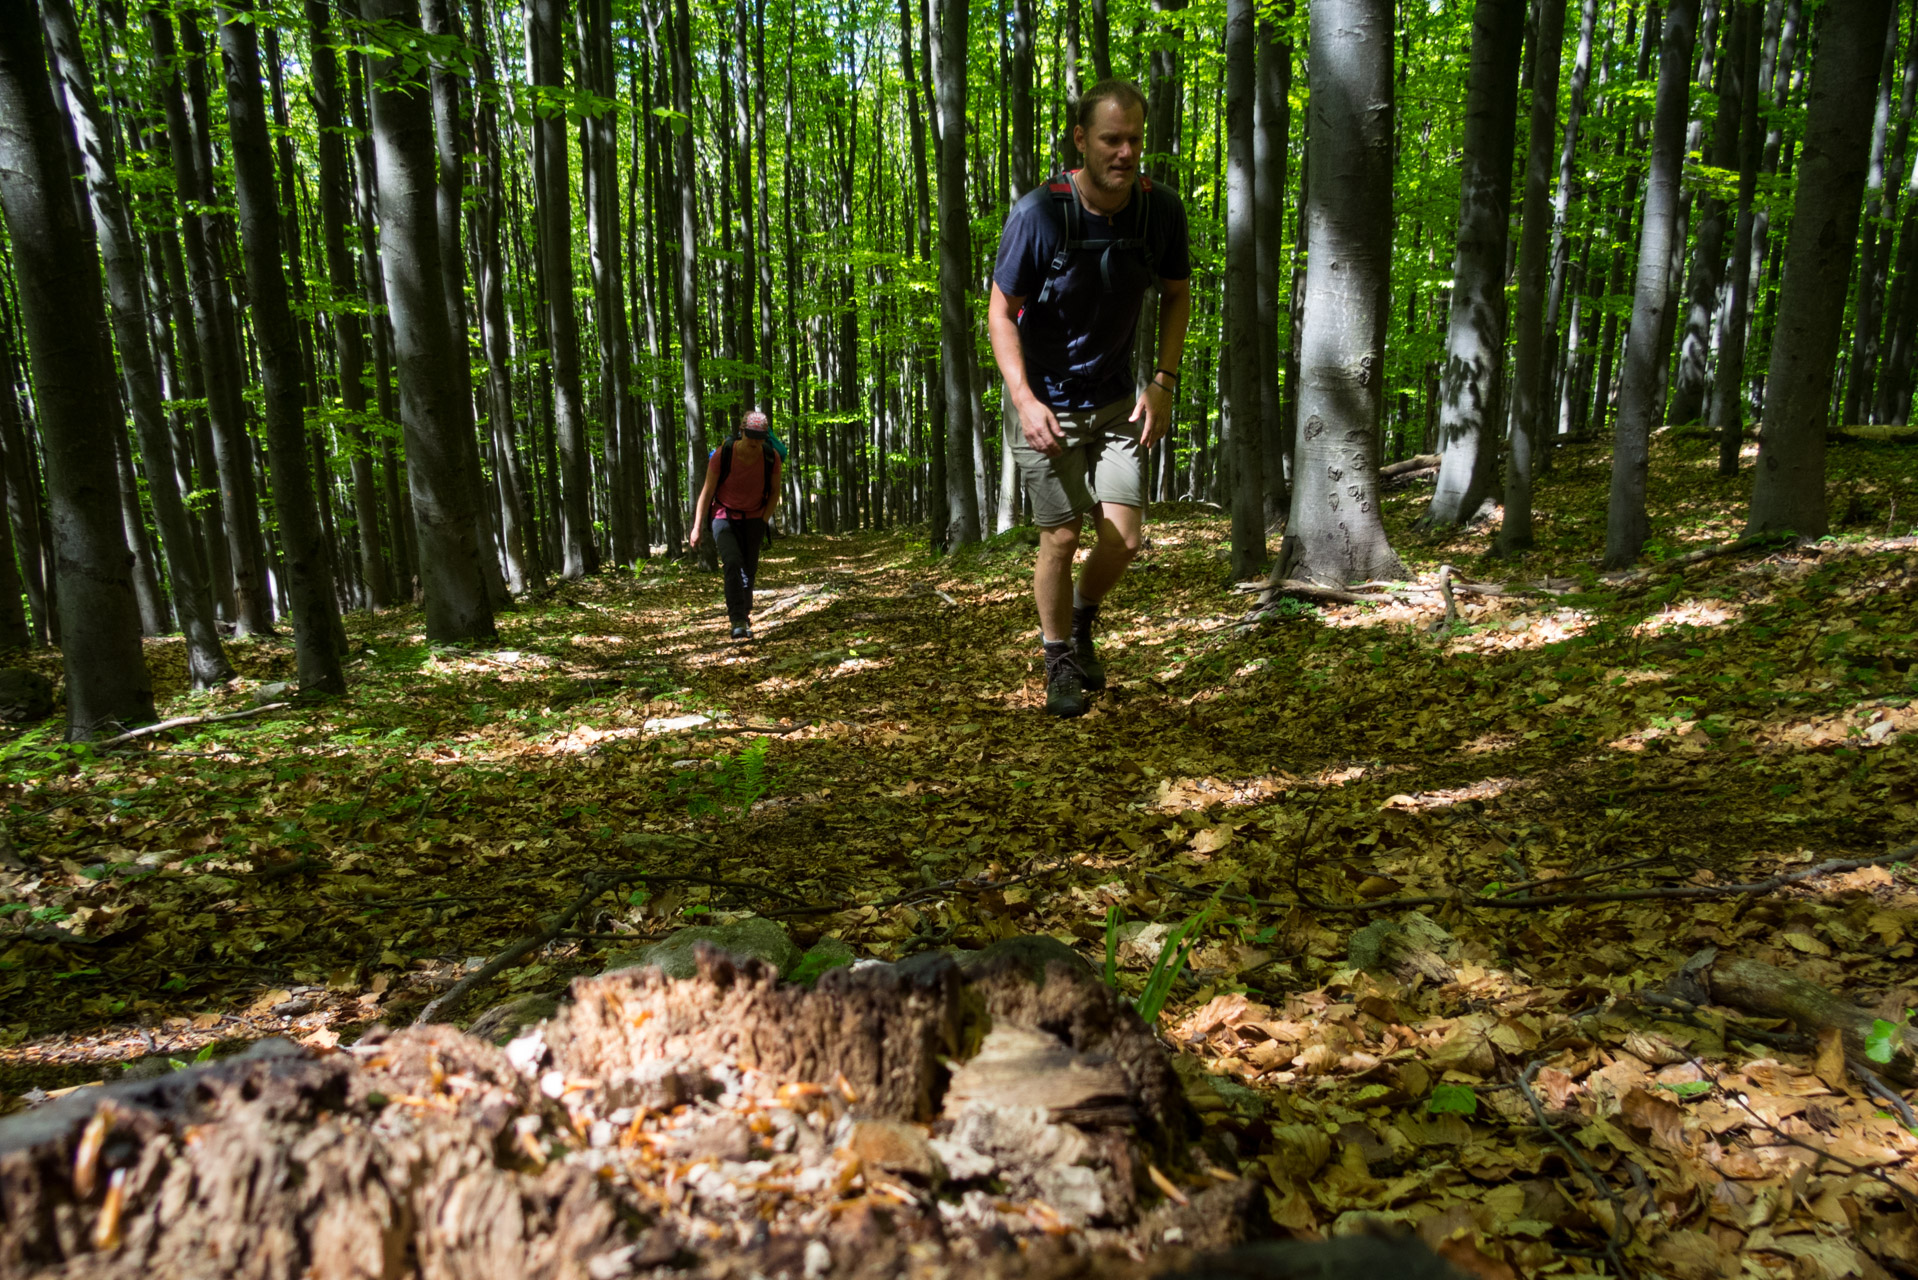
<point x="1124" y="533"/>
<point x="1059" y="541"/>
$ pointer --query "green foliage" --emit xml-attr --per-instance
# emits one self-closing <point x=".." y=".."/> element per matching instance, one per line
<point x="1883" y="1040"/>
<point x="1179" y="944"/>
<point x="1452" y="1100"/>
<point x="1687" y="1090"/>
<point x="735" y="784"/>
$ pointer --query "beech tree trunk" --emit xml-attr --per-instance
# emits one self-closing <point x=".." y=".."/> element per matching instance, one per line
<point x="1626" y="527"/>
<point x="458" y="605"/>
<point x="308" y="564"/>
<point x="1469" y="414"/>
<point x="222" y="372"/>
<point x="948" y="34"/>
<point x="1348" y="210"/>
<point x="1272" y="126"/>
<point x="1687" y="403"/>
<point x="552" y="194"/>
<point x="689" y="341"/>
<point x="1241" y="294"/>
<point x="1789" y="492"/>
<point x="1531" y="399"/>
<point x="1727" y="412"/>
<point x="59" y="280"/>
<point x="1881" y="201"/>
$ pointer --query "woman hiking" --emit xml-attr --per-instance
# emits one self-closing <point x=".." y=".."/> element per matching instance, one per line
<point x="741" y="490"/>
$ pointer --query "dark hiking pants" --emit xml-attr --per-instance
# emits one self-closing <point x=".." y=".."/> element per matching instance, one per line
<point x="738" y="542"/>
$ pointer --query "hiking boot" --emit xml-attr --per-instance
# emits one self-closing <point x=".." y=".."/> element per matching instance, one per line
<point x="1065" y="685"/>
<point x="1091" y="670"/>
<point x="741" y="631"/>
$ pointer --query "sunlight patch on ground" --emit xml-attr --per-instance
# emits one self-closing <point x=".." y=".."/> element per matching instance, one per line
<point x="1699" y="614"/>
<point x="1486" y="743"/>
<point x="586" y="738"/>
<point x="1863" y="724"/>
<point x="1483" y="789"/>
<point x="1495" y="634"/>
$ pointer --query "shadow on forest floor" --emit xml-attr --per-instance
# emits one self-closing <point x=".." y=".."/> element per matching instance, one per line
<point x="312" y="871"/>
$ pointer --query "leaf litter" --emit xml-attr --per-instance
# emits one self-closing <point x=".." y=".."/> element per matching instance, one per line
<point x="876" y="768"/>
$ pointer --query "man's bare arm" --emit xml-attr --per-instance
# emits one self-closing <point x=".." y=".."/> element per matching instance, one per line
<point x="1036" y="422"/>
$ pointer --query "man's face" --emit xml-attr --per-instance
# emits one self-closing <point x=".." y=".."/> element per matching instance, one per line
<point x="1112" y="145"/>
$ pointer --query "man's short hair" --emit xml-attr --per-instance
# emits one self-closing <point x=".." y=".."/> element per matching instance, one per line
<point x="1118" y="90"/>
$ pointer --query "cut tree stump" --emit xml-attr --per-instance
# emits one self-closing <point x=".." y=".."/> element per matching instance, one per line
<point x="1010" y="1116"/>
<point x="1770" y="992"/>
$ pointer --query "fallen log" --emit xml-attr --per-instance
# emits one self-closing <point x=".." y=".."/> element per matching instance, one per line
<point x="1755" y="987"/>
<point x="885" y="1123"/>
<point x="1418" y="462"/>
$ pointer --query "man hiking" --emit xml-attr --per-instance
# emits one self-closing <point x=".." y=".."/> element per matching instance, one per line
<point x="741" y="490"/>
<point x="1074" y="263"/>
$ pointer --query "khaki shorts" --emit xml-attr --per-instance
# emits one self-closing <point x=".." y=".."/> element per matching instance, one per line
<point x="1102" y="462"/>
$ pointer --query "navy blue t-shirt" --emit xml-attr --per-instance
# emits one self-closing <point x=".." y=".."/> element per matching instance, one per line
<point x="1078" y="343"/>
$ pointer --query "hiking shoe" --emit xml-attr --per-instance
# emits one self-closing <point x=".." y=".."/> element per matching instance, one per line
<point x="741" y="631"/>
<point x="1065" y="685"/>
<point x="1091" y="670"/>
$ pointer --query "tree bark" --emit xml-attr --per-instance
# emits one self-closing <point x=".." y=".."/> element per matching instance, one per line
<point x="1531" y="399"/>
<point x="458" y="605"/>
<point x="349" y="331"/>
<point x="1557" y="374"/>
<point x="1688" y="399"/>
<point x="1348" y="209"/>
<point x="308" y="565"/>
<point x="948" y="34"/>
<point x="25" y="510"/>
<point x="688" y="258"/>
<point x="1272" y="125"/>
<point x="222" y="372"/>
<point x="1789" y="492"/>
<point x="66" y="329"/>
<point x="1727" y="412"/>
<point x="1626" y="526"/>
<point x="552" y="193"/>
<point x="1469" y="417"/>
<point x="1887" y="148"/>
<point x="1242" y="339"/>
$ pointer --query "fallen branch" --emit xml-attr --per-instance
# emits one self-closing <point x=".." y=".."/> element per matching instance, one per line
<point x="181" y="722"/>
<point x="1771" y="992"/>
<point x="511" y="956"/>
<point x="1620" y="1234"/>
<point x="1418" y="462"/>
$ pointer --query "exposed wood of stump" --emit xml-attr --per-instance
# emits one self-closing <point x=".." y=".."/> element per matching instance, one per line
<point x="1770" y="992"/>
<point x="720" y="1126"/>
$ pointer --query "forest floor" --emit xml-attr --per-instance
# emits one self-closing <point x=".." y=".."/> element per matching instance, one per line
<point x="876" y="766"/>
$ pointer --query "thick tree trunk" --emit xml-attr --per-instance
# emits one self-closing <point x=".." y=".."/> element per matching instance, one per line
<point x="1335" y="510"/>
<point x="1728" y="379"/>
<point x="452" y="138"/>
<point x="66" y="329"/>
<point x="222" y="372"/>
<point x="948" y="33"/>
<point x="1469" y="415"/>
<point x="552" y="193"/>
<point x="1789" y="492"/>
<point x="1241" y="293"/>
<point x="1626" y="526"/>
<point x="438" y="455"/>
<point x="308" y="565"/>
<point x="207" y="665"/>
<point x="348" y="328"/>
<point x="1531" y="398"/>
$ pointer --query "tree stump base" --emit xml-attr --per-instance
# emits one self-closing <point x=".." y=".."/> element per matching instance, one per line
<point x="1013" y="1117"/>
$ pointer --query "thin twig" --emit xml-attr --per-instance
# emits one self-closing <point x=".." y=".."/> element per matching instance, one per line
<point x="181" y="722"/>
<point x="1905" y="1197"/>
<point x="1886" y="1094"/>
<point x="1621" y="1232"/>
<point x="512" y="955"/>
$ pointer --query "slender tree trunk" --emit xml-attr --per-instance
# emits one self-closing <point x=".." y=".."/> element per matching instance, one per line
<point x="1687" y="403"/>
<point x="1789" y="491"/>
<point x="1272" y="122"/>
<point x="1556" y="375"/>
<point x="1728" y="379"/>
<point x="349" y="330"/>
<point x="552" y="192"/>
<point x="1469" y="416"/>
<point x="1245" y="381"/>
<point x="1887" y="146"/>
<point x="439" y="450"/>
<point x="18" y="630"/>
<point x="1531" y="399"/>
<point x="948" y="34"/>
<point x="155" y="619"/>
<point x="1023" y="148"/>
<point x="1626" y="526"/>
<point x="212" y="318"/>
<point x="689" y="339"/>
<point x="66" y="329"/>
<point x="207" y="665"/>
<point x="1335" y="509"/>
<point x="308" y="566"/>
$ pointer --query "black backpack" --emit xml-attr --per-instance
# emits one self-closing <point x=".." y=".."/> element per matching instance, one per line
<point x="726" y="469"/>
<point x="1072" y="220"/>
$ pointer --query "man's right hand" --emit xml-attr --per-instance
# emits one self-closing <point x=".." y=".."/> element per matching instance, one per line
<point x="692" y="543"/>
<point x="1042" y="430"/>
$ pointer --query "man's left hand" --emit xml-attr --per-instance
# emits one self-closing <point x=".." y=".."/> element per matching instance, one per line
<point x="1155" y="410"/>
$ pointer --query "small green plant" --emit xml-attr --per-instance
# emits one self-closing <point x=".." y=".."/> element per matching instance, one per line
<point x="1689" y="1089"/>
<point x="736" y="784"/>
<point x="1166" y="969"/>
<point x="1114" y="917"/>
<point x="1882" y="1042"/>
